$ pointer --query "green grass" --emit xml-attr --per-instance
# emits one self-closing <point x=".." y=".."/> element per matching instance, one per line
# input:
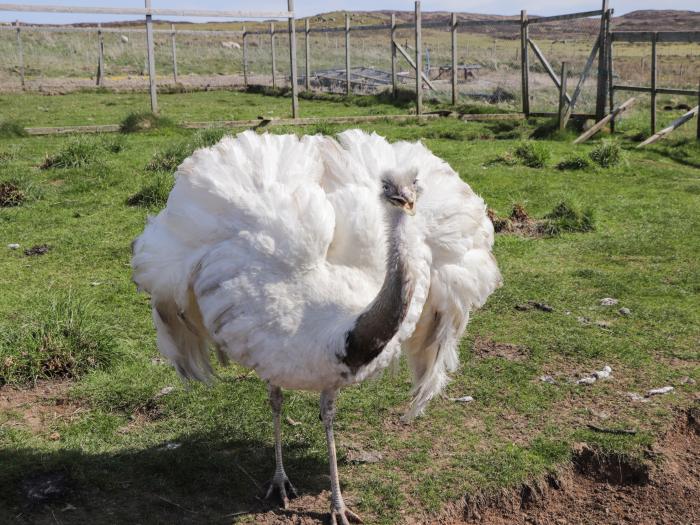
<point x="643" y="251"/>
<point x="574" y="162"/>
<point x="533" y="154"/>
<point x="11" y="128"/>
<point x="154" y="193"/>
<point x="607" y="154"/>
<point x="143" y="121"/>
<point x="59" y="340"/>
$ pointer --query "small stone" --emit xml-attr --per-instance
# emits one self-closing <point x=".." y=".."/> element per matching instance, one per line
<point x="165" y="391"/>
<point x="172" y="446"/>
<point x="54" y="436"/>
<point x="659" y="391"/>
<point x="687" y="381"/>
<point x="600" y="414"/>
<point x="95" y="283"/>
<point x="604" y="373"/>
<point x="548" y="379"/>
<point x="157" y="361"/>
<point x="364" y="456"/>
<point x="603" y="324"/>
<point x="463" y="399"/>
<point x="625" y="311"/>
<point x="583" y="320"/>
<point x="586" y="380"/>
<point x="608" y="301"/>
<point x="69" y="507"/>
<point x="634" y="396"/>
<point x="292" y="422"/>
<point x="13" y="246"/>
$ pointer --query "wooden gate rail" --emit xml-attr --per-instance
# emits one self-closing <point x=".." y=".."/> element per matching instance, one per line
<point x="654" y="38"/>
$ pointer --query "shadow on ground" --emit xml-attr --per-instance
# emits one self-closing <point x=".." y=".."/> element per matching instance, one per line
<point x="199" y="481"/>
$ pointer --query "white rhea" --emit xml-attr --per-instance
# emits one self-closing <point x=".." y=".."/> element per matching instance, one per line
<point x="316" y="262"/>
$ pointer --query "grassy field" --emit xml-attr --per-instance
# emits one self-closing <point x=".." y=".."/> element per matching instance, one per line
<point x="123" y="447"/>
<point x="60" y="61"/>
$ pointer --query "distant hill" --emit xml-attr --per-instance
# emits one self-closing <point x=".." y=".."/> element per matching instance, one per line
<point x="643" y="20"/>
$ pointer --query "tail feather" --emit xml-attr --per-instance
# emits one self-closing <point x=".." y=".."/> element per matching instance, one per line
<point x="181" y="337"/>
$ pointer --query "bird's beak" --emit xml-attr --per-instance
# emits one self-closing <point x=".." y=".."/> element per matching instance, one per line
<point x="404" y="202"/>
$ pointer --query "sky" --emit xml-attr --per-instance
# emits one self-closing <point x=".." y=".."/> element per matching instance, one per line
<point x="312" y="7"/>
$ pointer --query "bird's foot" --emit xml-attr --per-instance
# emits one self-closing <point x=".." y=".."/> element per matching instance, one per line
<point x="280" y="486"/>
<point x="343" y="516"/>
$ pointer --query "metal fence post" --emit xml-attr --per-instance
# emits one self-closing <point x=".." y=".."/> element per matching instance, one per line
<point x="20" y="54"/>
<point x="348" y="89"/>
<point x="394" y="87"/>
<point x="172" y="41"/>
<point x="601" y="95"/>
<point x="100" y="56"/>
<point x="419" y="61"/>
<point x="453" y="29"/>
<point x="151" y="59"/>
<point x="307" y="55"/>
<point x="654" y="76"/>
<point x="524" y="63"/>
<point x="245" y="57"/>
<point x="274" y="58"/>
<point x="293" y="58"/>
<point x="563" y="111"/>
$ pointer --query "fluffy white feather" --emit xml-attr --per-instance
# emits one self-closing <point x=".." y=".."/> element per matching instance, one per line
<point x="270" y="246"/>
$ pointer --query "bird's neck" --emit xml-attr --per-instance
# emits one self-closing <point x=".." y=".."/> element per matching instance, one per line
<point x="380" y="321"/>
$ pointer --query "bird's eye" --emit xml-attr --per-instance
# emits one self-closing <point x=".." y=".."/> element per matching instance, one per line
<point x="385" y="186"/>
<point x="415" y="181"/>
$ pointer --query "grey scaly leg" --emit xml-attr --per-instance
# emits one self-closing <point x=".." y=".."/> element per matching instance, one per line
<point x="279" y="484"/>
<point x="339" y="512"/>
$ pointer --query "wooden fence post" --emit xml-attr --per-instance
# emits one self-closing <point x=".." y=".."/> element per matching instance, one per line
<point x="172" y="42"/>
<point x="601" y="95"/>
<point x="698" y="115"/>
<point x="611" y="84"/>
<point x="20" y="54"/>
<point x="347" y="54"/>
<point x="293" y="59"/>
<point x="100" y="57"/>
<point x="245" y="57"/>
<point x="654" y="76"/>
<point x="453" y="29"/>
<point x="272" y="50"/>
<point x="563" y="110"/>
<point x="307" y="55"/>
<point x="151" y="59"/>
<point x="524" y="63"/>
<point x="394" y="87"/>
<point x="419" y="61"/>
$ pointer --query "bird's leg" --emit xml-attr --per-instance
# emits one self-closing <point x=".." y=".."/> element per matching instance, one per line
<point x="279" y="484"/>
<point x="340" y="514"/>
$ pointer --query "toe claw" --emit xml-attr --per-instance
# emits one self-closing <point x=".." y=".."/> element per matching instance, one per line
<point x="291" y="489"/>
<point x="345" y="515"/>
<point x="282" y="489"/>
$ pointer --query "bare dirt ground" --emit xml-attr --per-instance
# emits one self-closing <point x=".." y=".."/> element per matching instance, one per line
<point x="664" y="488"/>
<point x="38" y="409"/>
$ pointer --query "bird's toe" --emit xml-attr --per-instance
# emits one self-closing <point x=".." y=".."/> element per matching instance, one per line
<point x="344" y="516"/>
<point x="281" y="489"/>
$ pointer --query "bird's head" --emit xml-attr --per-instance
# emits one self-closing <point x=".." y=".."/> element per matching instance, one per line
<point x="401" y="190"/>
